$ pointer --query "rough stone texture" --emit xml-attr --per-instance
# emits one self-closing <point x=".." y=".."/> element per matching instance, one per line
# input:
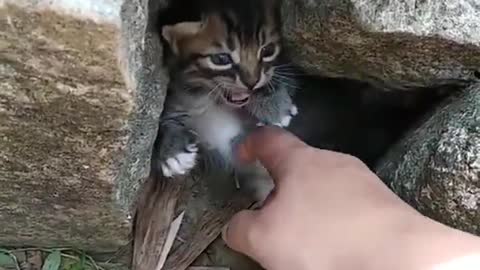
<point x="140" y="56"/>
<point x="75" y="142"/>
<point x="457" y="20"/>
<point x="436" y="168"/>
<point x="66" y="118"/>
<point x="100" y="11"/>
<point x="328" y="37"/>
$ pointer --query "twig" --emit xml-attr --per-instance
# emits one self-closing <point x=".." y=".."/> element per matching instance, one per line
<point x="155" y="222"/>
<point x="172" y="233"/>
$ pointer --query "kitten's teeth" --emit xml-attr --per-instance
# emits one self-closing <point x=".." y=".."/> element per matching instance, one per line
<point x="260" y="124"/>
<point x="294" y="110"/>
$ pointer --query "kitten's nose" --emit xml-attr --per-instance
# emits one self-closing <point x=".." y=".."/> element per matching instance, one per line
<point x="249" y="80"/>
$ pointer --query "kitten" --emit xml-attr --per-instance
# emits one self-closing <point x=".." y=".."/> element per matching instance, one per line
<point x="227" y="76"/>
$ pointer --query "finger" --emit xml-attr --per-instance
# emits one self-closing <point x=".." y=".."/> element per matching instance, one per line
<point x="237" y="233"/>
<point x="271" y="146"/>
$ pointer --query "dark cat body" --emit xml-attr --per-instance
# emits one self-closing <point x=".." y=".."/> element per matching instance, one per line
<point x="356" y="118"/>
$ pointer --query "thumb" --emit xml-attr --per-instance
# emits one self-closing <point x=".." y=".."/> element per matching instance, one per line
<point x="237" y="234"/>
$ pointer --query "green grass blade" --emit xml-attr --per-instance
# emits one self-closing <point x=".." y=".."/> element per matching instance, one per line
<point x="53" y="261"/>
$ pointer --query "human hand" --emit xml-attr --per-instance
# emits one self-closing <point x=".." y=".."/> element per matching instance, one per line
<point x="328" y="211"/>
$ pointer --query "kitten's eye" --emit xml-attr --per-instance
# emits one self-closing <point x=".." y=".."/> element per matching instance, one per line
<point x="268" y="52"/>
<point x="221" y="59"/>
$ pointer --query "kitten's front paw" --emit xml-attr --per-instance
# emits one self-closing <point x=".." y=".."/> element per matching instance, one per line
<point x="286" y="119"/>
<point x="181" y="163"/>
<point x="177" y="151"/>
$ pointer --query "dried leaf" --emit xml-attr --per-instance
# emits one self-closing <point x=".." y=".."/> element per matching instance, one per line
<point x="34" y="258"/>
<point x="53" y="261"/>
<point x="172" y="234"/>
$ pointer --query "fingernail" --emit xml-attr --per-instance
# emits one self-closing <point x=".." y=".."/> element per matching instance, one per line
<point x="224" y="233"/>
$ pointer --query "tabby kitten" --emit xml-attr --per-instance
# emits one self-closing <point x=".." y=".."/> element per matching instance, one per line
<point x="227" y="76"/>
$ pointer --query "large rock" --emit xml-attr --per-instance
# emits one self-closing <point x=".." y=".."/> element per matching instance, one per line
<point x="436" y="168"/>
<point x="100" y="11"/>
<point x="140" y="58"/>
<point x="74" y="140"/>
<point x="398" y="44"/>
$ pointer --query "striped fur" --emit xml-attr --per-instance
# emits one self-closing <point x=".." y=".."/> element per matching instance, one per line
<point x="225" y="66"/>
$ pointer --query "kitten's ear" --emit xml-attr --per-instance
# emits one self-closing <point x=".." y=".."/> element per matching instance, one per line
<point x="173" y="34"/>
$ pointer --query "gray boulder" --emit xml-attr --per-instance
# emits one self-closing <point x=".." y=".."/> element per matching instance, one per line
<point x="436" y="168"/>
<point x="388" y="43"/>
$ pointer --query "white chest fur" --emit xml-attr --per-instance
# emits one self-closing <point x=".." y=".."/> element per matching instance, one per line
<point x="216" y="127"/>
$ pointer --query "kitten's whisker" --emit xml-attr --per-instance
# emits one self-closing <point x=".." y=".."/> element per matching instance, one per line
<point x="213" y="89"/>
<point x="279" y="75"/>
<point x="283" y="76"/>
<point x="287" y="70"/>
<point x="270" y="86"/>
<point x="216" y="92"/>
<point x="286" y="65"/>
<point x="189" y="87"/>
<point x="287" y="73"/>
<point x="219" y="93"/>
<point x="229" y="84"/>
<point x="285" y="81"/>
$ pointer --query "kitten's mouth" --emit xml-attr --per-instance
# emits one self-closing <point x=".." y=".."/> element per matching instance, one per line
<point x="236" y="99"/>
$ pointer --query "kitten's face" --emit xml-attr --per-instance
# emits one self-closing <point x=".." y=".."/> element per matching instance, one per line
<point x="225" y="57"/>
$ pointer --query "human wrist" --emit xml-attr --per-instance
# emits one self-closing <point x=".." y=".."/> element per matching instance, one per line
<point x="421" y="243"/>
<point x="375" y="244"/>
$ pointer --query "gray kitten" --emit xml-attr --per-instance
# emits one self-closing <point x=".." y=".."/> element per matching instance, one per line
<point x="228" y="75"/>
